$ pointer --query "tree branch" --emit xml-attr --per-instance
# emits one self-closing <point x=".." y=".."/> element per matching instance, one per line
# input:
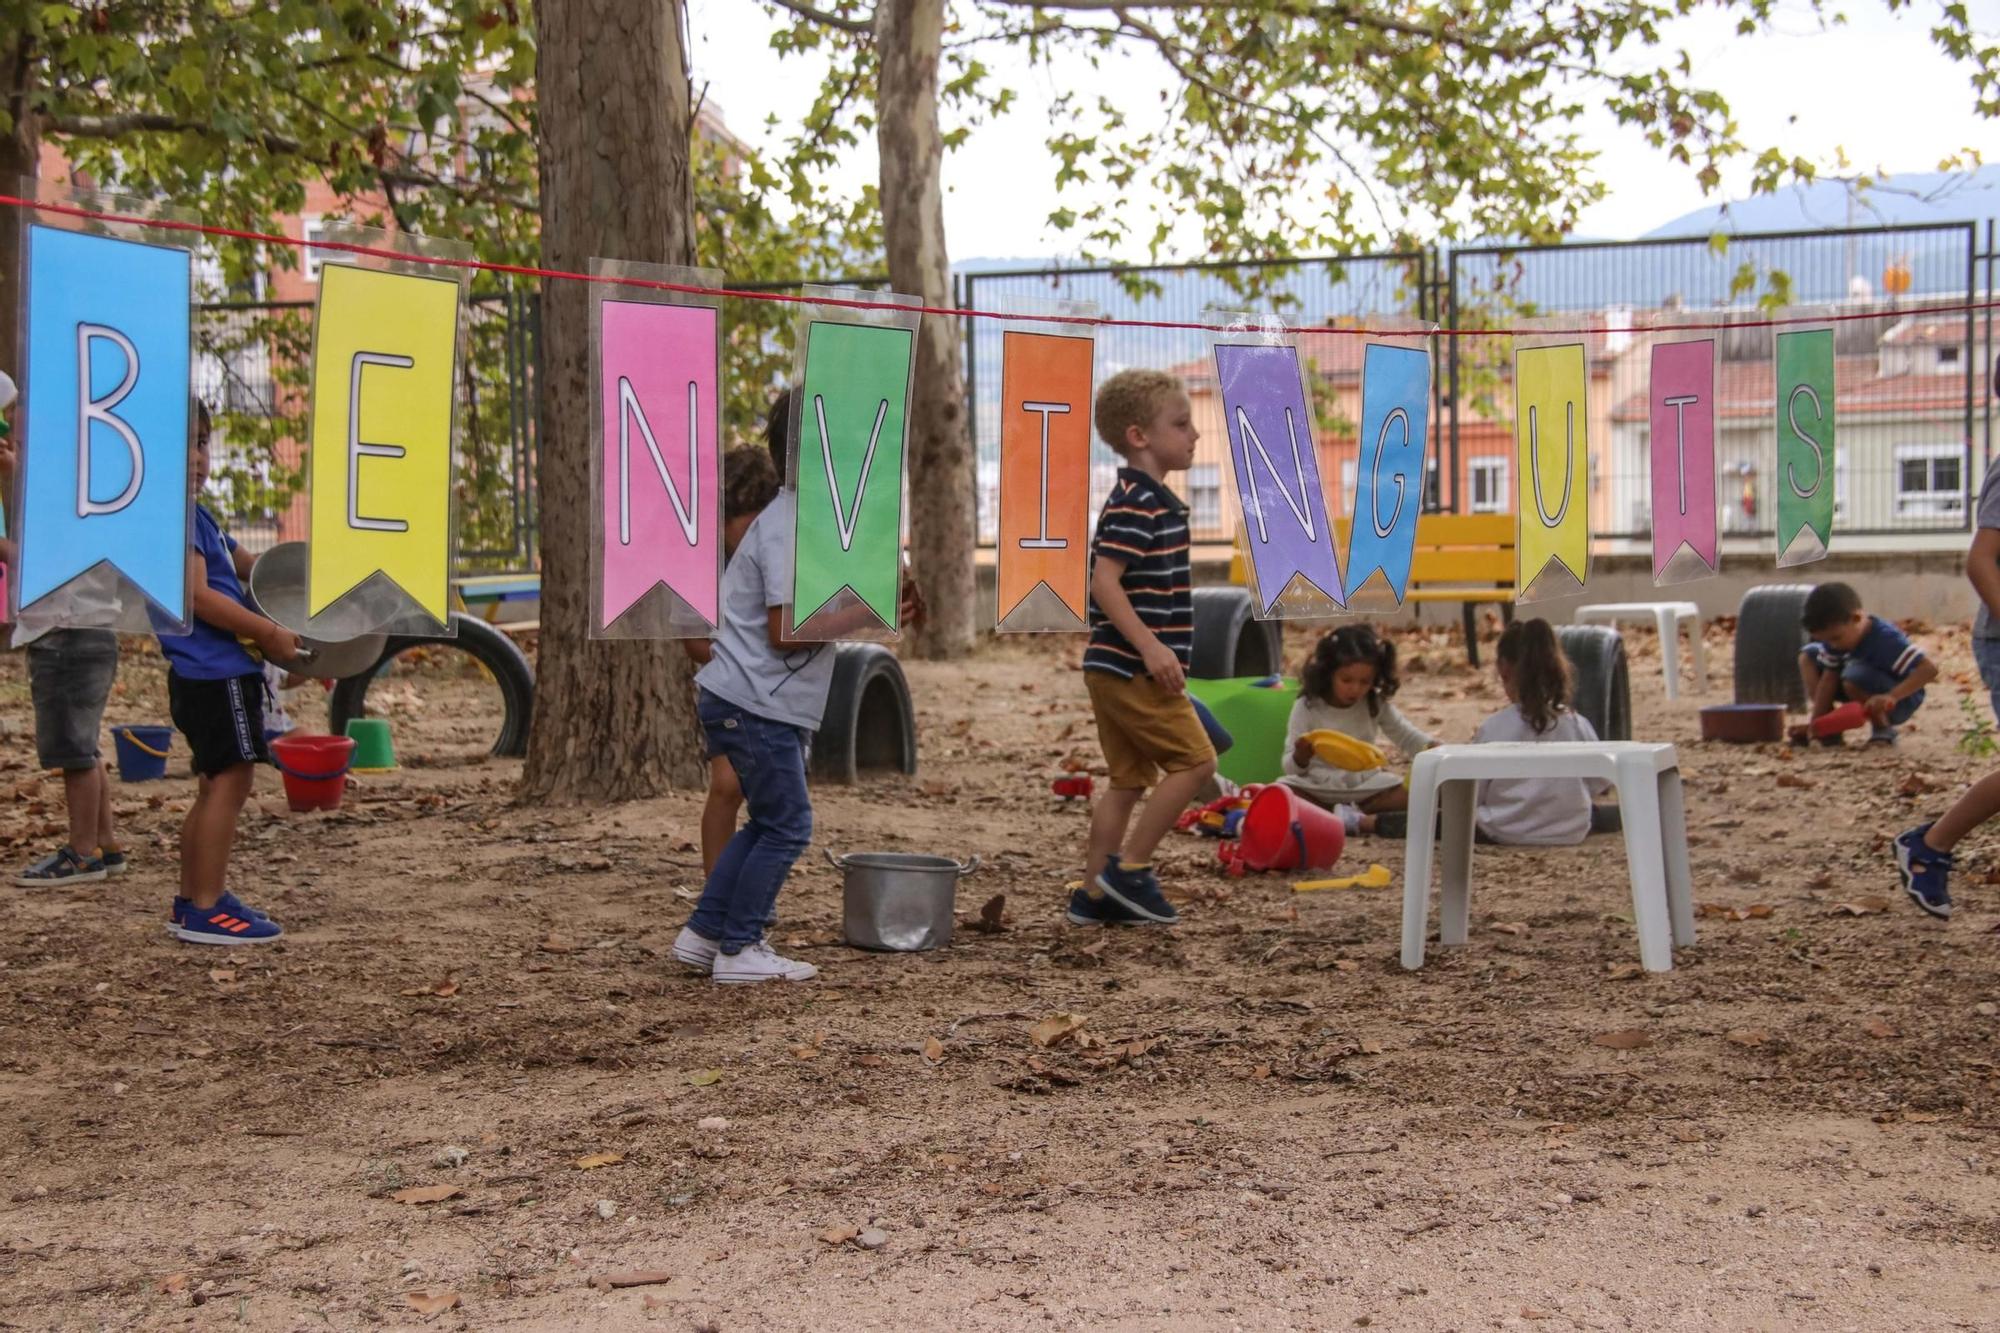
<point x="153" y="122"/>
<point x="831" y="20"/>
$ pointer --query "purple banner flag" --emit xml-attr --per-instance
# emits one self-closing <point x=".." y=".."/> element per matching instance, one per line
<point x="1271" y="451"/>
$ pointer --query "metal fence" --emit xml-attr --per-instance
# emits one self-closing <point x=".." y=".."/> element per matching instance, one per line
<point x="1910" y="386"/>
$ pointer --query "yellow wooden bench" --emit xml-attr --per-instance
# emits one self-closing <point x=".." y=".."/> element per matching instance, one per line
<point x="1463" y="558"/>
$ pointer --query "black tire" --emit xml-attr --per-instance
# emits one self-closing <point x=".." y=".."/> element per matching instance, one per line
<point x="1603" y="682"/>
<point x="1229" y="641"/>
<point x="1768" y="639"/>
<point x="869" y="724"/>
<point x="501" y="657"/>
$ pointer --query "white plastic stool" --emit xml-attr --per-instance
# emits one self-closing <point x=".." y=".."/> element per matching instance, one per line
<point x="1669" y="617"/>
<point x="1648" y="778"/>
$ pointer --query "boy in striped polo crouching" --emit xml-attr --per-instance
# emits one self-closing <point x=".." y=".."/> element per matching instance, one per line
<point x="1141" y="633"/>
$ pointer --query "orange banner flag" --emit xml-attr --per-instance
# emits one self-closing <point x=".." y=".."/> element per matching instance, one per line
<point x="1045" y="384"/>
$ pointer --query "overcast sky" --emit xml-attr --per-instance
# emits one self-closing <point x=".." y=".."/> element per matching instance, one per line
<point x="1877" y="89"/>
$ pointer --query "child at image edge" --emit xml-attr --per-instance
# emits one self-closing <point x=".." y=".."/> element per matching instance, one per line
<point x="1135" y="667"/>
<point x="215" y="691"/>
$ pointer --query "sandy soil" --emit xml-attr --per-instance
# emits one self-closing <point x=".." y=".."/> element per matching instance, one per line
<point x="1266" y="1123"/>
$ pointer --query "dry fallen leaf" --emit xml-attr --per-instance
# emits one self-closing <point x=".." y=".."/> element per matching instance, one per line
<point x="1823" y="880"/>
<point x="1623" y="971"/>
<point x="1747" y="875"/>
<point x="1055" y="1027"/>
<point x="1625" y="1039"/>
<point x="1875" y="1027"/>
<point x="173" y="1284"/>
<point x="427" y="1194"/>
<point x="991" y="916"/>
<point x="1371" y="1048"/>
<point x="701" y="1078"/>
<point x="556" y="944"/>
<point x="839" y="1235"/>
<point x="431" y="1300"/>
<point x="870" y="1061"/>
<point x="633" y="1277"/>
<point x="1747" y="1037"/>
<point x="1794" y="780"/>
<point x="1509" y="927"/>
<point x="933" y="1049"/>
<point x="1869" y="906"/>
<point x="597" y="1159"/>
<point x="222" y="976"/>
<point x="805" y="1052"/>
<point x="1916" y="784"/>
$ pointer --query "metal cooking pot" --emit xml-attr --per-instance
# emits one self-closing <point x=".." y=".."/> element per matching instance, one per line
<point x="278" y="587"/>
<point x="899" y="901"/>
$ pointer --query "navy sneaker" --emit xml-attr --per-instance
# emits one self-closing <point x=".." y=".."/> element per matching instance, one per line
<point x="1925" y="872"/>
<point x="1884" y="736"/>
<point x="220" y="925"/>
<point x="62" y="866"/>
<point x="228" y="902"/>
<point x="114" y="862"/>
<point x="1137" y="890"/>
<point x="1085" y="910"/>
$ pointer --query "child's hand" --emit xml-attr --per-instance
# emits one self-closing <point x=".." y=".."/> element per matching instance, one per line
<point x="910" y="610"/>
<point x="1878" y="708"/>
<point x="1164" y="667"/>
<point x="277" y="643"/>
<point x="1302" y="753"/>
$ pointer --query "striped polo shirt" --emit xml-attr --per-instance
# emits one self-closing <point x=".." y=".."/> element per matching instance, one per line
<point x="1144" y="526"/>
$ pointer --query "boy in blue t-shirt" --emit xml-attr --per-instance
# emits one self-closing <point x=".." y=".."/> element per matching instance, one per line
<point x="1860" y="657"/>
<point x="215" y="691"/>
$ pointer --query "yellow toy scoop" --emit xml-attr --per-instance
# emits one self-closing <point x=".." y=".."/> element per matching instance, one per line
<point x="1374" y="877"/>
<point x="1344" y="751"/>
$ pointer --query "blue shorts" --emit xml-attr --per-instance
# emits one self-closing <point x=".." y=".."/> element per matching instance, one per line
<point x="1873" y="680"/>
<point x="1986" y="652"/>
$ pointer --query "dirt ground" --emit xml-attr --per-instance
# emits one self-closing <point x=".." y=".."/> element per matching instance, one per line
<point x="1264" y="1122"/>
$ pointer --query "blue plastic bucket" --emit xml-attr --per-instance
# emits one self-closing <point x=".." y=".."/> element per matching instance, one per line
<point x="142" y="752"/>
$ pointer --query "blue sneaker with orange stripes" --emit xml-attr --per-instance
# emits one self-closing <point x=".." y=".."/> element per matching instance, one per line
<point x="228" y="922"/>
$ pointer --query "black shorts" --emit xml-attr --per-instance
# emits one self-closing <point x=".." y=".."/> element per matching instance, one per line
<point x="223" y="720"/>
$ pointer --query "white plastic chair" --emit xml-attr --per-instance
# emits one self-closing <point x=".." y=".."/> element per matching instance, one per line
<point x="1669" y="617"/>
<point x="1648" y="779"/>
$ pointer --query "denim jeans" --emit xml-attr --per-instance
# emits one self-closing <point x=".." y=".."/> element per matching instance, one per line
<point x="1873" y="680"/>
<point x="770" y="762"/>
<point x="1986" y="652"/>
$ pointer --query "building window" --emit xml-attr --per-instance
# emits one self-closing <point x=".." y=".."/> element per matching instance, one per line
<point x="1947" y="356"/>
<point x="1488" y="483"/>
<point x="1930" y="479"/>
<point x="316" y="229"/>
<point x="1205" y="498"/>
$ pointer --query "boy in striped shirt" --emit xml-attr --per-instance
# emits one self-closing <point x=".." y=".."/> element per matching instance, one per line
<point x="1141" y="632"/>
<point x="1856" y="656"/>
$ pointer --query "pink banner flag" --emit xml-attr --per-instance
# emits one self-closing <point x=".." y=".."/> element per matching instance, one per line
<point x="1683" y="428"/>
<point x="661" y="465"/>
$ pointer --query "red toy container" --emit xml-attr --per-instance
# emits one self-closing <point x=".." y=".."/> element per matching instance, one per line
<point x="315" y="769"/>
<point x="1284" y="831"/>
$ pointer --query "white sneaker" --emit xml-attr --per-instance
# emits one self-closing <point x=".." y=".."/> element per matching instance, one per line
<point x="757" y="963"/>
<point x="694" y="950"/>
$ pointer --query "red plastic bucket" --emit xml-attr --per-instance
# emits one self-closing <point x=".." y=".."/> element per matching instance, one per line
<point x="315" y="769"/>
<point x="1284" y="831"/>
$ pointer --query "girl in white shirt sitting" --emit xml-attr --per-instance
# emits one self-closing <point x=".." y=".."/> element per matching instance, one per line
<point x="1545" y="812"/>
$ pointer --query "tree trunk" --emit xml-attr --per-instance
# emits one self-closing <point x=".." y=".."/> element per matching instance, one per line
<point x="943" y="513"/>
<point x="20" y="163"/>
<point x="614" y="719"/>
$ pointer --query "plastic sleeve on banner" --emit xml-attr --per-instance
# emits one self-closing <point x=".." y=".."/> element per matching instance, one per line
<point x="1682" y="425"/>
<point x="384" y="360"/>
<point x="1044" y="531"/>
<point x="1805" y="413"/>
<point x="1390" y="465"/>
<point x="852" y="411"/>
<point x="1551" y="426"/>
<point x="1293" y="566"/>
<point x="103" y="485"/>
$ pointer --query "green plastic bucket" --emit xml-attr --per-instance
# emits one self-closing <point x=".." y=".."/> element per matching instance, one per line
<point x="374" y="748"/>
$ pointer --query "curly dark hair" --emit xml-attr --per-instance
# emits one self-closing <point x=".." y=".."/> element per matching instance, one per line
<point x="749" y="481"/>
<point x="1528" y="649"/>
<point x="778" y="430"/>
<point x="1344" y="647"/>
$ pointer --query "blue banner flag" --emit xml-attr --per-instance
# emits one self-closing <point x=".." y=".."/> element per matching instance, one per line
<point x="1389" y="476"/>
<point x="105" y="458"/>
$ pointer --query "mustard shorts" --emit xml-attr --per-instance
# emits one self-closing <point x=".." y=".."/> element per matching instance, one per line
<point x="1145" y="729"/>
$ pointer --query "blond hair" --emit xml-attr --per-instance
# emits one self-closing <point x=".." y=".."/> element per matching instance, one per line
<point x="1131" y="398"/>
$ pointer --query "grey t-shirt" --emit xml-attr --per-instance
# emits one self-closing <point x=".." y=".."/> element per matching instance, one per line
<point x="1984" y="626"/>
<point x="745" y="669"/>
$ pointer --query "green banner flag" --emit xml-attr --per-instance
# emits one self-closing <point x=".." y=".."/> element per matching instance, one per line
<point x="1805" y="482"/>
<point x="849" y="464"/>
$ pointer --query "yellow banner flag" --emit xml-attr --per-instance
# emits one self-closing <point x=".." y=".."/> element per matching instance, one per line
<point x="384" y="347"/>
<point x="1552" y="459"/>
